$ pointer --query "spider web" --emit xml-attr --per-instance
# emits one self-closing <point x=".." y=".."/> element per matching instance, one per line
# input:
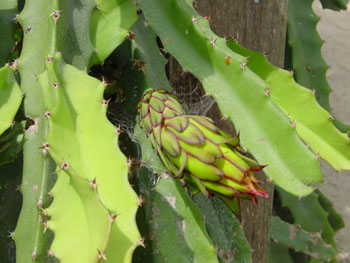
<point x="194" y="100"/>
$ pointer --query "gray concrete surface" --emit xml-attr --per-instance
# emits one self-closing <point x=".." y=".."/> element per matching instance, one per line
<point x="334" y="28"/>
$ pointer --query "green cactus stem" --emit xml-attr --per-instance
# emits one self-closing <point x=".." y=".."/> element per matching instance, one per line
<point x="109" y="26"/>
<point x="305" y="44"/>
<point x="299" y="240"/>
<point x="170" y="214"/>
<point x="10" y="98"/>
<point x="11" y="143"/>
<point x="317" y="217"/>
<point x="79" y="129"/>
<point x="336" y="5"/>
<point x="243" y="102"/>
<point x="39" y="32"/>
<point x="301" y="107"/>
<point x="8" y="10"/>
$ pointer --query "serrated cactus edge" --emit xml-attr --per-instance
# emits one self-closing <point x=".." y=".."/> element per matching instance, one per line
<point x="38" y="38"/>
<point x="92" y="172"/>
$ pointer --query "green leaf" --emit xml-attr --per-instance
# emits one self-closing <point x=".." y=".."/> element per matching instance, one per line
<point x="312" y="123"/>
<point x="83" y="143"/>
<point x="110" y="22"/>
<point x="10" y="98"/>
<point x="293" y="236"/>
<point x="176" y="226"/>
<point x="8" y="9"/>
<point x="238" y="92"/>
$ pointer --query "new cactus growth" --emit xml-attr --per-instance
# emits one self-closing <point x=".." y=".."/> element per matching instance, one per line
<point x="195" y="150"/>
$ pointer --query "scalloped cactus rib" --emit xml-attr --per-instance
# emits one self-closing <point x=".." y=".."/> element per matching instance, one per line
<point x="238" y="91"/>
<point x="311" y="122"/>
<point x="77" y="216"/>
<point x="8" y="9"/>
<point x="299" y="240"/>
<point x="10" y="98"/>
<point x="305" y="43"/>
<point x="153" y="62"/>
<point x="110" y="22"/>
<point x="45" y="33"/>
<point x="84" y="144"/>
<point x="317" y="217"/>
<point x="279" y="253"/>
<point x="39" y="38"/>
<point x="73" y="31"/>
<point x="336" y="5"/>
<point x="145" y="67"/>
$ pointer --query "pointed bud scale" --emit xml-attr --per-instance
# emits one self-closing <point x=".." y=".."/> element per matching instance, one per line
<point x="194" y="149"/>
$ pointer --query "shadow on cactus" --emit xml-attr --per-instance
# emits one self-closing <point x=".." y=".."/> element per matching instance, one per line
<point x="205" y="158"/>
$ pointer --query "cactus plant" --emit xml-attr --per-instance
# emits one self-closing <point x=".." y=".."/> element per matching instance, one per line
<point x="11" y="143"/>
<point x="315" y="239"/>
<point x="333" y="146"/>
<point x="8" y="9"/>
<point x="81" y="177"/>
<point x="306" y="60"/>
<point x="179" y="221"/>
<point x="336" y="5"/>
<point x="304" y="50"/>
<point x="228" y="66"/>
<point x="222" y="226"/>
<point x="295" y="237"/>
<point x="82" y="173"/>
<point x="10" y="99"/>
<point x="10" y="206"/>
<point x="110" y="23"/>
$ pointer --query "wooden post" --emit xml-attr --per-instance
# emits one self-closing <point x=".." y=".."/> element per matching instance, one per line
<point x="258" y="25"/>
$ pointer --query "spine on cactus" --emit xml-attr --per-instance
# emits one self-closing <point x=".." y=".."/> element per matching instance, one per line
<point x="107" y="229"/>
<point x="245" y="102"/>
<point x="45" y="34"/>
<point x="195" y="150"/>
<point x="31" y="238"/>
